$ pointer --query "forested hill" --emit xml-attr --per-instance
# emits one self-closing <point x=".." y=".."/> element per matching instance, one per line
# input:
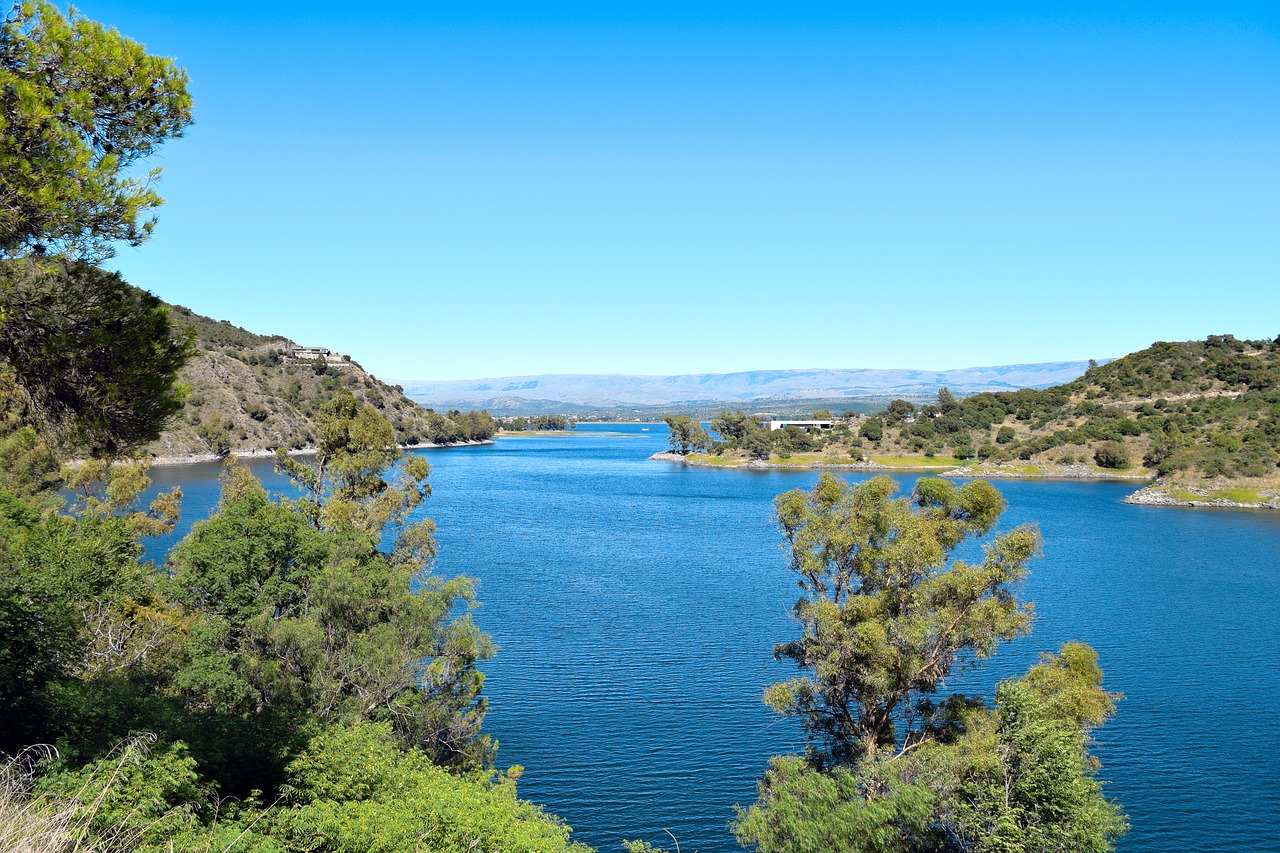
<point x="1204" y="416"/>
<point x="253" y="393"/>
<point x="1208" y="407"/>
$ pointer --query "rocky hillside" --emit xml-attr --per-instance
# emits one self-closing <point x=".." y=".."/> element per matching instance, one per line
<point x="253" y="393"/>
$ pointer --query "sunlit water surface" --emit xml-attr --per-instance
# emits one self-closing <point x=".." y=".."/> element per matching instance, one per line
<point x="636" y="604"/>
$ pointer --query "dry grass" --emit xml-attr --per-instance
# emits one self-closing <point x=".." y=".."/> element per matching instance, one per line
<point x="31" y="822"/>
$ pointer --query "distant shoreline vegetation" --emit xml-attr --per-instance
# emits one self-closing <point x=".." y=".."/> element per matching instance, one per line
<point x="1201" y="419"/>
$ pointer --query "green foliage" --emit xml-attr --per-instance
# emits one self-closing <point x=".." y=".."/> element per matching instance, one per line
<point x="356" y="791"/>
<point x="886" y="615"/>
<point x="1021" y="778"/>
<point x="1005" y="435"/>
<point x="803" y="809"/>
<point x="872" y="429"/>
<point x="733" y="426"/>
<point x="220" y="334"/>
<point x="1013" y="779"/>
<point x="899" y="410"/>
<point x="687" y="435"/>
<point x="759" y="444"/>
<point x="75" y="602"/>
<point x="1111" y="454"/>
<point x="80" y="105"/>
<point x="94" y="359"/>
<point x="214" y="434"/>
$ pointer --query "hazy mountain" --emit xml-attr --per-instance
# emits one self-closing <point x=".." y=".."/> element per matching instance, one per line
<point x="576" y="391"/>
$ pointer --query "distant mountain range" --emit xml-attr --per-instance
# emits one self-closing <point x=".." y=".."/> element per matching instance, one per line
<point x="570" y="392"/>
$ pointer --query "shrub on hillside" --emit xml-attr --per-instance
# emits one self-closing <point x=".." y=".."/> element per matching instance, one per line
<point x="1111" y="454"/>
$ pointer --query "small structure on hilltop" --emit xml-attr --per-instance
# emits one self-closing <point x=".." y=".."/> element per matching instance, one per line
<point x="807" y="426"/>
<point x="312" y="353"/>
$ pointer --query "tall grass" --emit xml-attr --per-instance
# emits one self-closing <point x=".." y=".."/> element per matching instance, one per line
<point x="31" y="822"/>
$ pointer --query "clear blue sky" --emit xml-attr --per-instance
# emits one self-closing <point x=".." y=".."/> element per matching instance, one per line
<point x="462" y="189"/>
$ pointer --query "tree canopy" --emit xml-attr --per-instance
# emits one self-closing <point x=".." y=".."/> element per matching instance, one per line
<point x="886" y="615"/>
<point x="90" y="359"/>
<point x="80" y="105"/>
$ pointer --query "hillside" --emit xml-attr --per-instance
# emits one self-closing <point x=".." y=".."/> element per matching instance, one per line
<point x="1202" y="416"/>
<point x="588" y="393"/>
<point x="252" y="393"/>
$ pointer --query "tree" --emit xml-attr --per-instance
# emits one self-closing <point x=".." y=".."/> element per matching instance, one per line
<point x="733" y="426"/>
<point x="687" y="435"/>
<point x="886" y="615"/>
<point x="80" y="106"/>
<point x="1111" y="454"/>
<point x="304" y="613"/>
<point x="946" y="400"/>
<point x="1016" y="778"/>
<point x="92" y="360"/>
<point x="899" y="410"/>
<point x="760" y="445"/>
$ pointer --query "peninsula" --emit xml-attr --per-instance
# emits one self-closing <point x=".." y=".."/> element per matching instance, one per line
<point x="1199" y="420"/>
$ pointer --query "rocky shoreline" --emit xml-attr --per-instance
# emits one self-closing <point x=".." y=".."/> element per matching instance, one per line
<point x="265" y="453"/>
<point x="1158" y="495"/>
<point x="1153" y="494"/>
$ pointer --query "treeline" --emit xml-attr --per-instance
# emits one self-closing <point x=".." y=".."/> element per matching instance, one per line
<point x="291" y="675"/>
<point x="455" y="426"/>
<point x="538" y="423"/>
<point x="737" y="431"/>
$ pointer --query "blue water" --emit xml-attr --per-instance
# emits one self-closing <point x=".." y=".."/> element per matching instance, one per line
<point x="636" y="604"/>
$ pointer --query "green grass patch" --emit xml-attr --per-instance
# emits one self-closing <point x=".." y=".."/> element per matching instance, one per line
<point x="718" y="461"/>
<point x="803" y="460"/>
<point x="920" y="461"/>
<point x="1236" y="495"/>
<point x="1184" y="495"/>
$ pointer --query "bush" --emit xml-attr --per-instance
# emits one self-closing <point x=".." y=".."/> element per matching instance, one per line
<point x="1111" y="454"/>
<point x="1004" y="435"/>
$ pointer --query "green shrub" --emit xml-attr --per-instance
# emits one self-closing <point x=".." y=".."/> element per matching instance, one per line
<point x="1111" y="454"/>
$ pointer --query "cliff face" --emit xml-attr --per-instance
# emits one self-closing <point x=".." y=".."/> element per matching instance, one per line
<point x="251" y="394"/>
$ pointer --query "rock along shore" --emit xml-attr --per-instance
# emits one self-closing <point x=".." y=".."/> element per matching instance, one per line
<point x="1158" y="495"/>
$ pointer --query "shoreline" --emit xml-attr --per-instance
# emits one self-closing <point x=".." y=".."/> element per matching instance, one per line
<point x="264" y="453"/>
<point x="975" y="471"/>
<point x="1153" y="493"/>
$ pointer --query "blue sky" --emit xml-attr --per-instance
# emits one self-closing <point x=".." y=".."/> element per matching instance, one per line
<point x="453" y="190"/>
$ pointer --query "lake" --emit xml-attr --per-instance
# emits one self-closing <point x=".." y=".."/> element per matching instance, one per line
<point x="636" y="605"/>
